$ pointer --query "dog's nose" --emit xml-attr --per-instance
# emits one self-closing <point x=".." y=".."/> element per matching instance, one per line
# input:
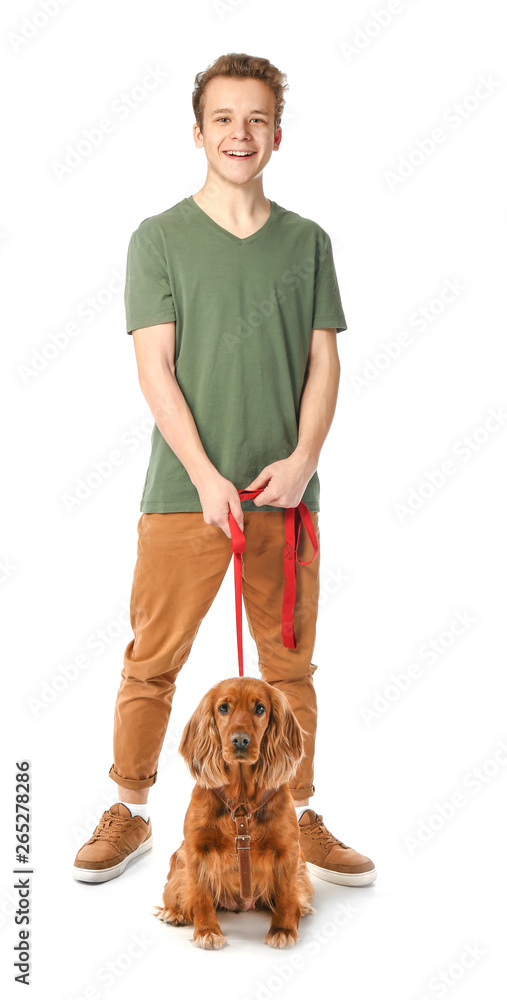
<point x="240" y="740"/>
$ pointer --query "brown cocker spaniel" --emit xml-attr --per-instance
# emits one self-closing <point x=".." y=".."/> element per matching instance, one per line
<point x="242" y="745"/>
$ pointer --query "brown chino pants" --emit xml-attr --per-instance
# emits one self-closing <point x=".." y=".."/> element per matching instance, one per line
<point x="181" y="562"/>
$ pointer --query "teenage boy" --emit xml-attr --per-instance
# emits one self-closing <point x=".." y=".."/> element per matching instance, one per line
<point x="234" y="306"/>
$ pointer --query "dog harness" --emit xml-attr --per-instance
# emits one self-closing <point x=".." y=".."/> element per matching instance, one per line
<point x="241" y="813"/>
<point x="294" y="518"/>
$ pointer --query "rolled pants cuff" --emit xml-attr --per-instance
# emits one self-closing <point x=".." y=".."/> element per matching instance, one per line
<point x="132" y="782"/>
<point x="302" y="793"/>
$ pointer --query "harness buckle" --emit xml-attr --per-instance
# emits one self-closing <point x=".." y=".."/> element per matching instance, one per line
<point x="242" y="847"/>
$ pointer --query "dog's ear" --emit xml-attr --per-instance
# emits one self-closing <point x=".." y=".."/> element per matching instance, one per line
<point x="282" y="747"/>
<point x="201" y="747"/>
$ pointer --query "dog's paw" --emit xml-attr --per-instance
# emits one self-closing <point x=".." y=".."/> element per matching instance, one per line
<point x="306" y="909"/>
<point x="280" y="937"/>
<point x="210" y="940"/>
<point x="170" y="916"/>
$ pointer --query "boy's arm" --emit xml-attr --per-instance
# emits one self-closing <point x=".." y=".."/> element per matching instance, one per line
<point x="154" y="347"/>
<point x="289" y="477"/>
<point x="318" y="399"/>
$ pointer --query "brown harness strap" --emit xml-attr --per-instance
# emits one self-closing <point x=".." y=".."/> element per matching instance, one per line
<point x="241" y="813"/>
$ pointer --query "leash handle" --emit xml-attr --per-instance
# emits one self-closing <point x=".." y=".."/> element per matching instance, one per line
<point x="295" y="518"/>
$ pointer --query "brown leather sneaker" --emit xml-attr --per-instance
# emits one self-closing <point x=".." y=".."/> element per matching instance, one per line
<point x="117" y="839"/>
<point x="329" y="858"/>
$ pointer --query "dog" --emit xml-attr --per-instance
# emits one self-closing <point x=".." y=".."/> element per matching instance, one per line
<point x="242" y="744"/>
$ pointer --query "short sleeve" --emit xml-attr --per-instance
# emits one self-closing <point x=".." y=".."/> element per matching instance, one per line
<point x="327" y="303"/>
<point x="148" y="296"/>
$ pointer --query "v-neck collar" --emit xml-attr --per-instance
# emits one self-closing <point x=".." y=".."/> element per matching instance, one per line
<point x="232" y="236"/>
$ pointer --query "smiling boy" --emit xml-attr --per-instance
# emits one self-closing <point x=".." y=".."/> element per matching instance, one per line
<point x="234" y="307"/>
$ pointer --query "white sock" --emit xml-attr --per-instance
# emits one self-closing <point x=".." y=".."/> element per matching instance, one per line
<point x="300" y="810"/>
<point x="138" y="809"/>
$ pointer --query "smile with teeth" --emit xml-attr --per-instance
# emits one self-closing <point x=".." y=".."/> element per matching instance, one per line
<point x="238" y="152"/>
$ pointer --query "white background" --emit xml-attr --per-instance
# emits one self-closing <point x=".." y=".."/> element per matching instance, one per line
<point x="363" y="95"/>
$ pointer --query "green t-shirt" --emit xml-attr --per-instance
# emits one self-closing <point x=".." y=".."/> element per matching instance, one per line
<point x="244" y="312"/>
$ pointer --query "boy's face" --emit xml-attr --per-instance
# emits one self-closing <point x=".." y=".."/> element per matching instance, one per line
<point x="248" y="125"/>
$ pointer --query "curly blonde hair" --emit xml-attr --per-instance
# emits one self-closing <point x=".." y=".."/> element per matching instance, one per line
<point x="238" y="64"/>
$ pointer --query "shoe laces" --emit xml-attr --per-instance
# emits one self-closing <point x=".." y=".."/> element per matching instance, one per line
<point x="319" y="832"/>
<point x="110" y="827"/>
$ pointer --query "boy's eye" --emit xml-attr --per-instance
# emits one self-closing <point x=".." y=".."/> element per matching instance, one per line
<point x="223" y="709"/>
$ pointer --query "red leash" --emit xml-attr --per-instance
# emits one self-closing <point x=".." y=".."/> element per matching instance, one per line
<point x="294" y="518"/>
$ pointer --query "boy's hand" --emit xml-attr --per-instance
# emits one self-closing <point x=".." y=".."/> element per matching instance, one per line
<point x="217" y="495"/>
<point x="288" y="479"/>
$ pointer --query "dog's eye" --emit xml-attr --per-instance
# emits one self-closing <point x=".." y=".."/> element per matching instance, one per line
<point x="223" y="709"/>
<point x="259" y="709"/>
